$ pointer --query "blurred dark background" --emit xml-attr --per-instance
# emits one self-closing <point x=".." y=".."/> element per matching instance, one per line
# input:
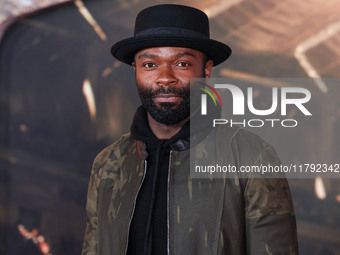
<point x="63" y="98"/>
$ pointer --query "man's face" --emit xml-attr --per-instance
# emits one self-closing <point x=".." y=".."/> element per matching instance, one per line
<point x="163" y="80"/>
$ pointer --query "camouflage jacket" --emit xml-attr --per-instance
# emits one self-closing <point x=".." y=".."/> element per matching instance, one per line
<point x="205" y="216"/>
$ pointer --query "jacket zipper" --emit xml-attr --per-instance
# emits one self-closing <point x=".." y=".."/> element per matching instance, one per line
<point x="134" y="206"/>
<point x="168" y="203"/>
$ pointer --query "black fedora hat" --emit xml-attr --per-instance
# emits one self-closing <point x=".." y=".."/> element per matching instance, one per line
<point x="171" y="25"/>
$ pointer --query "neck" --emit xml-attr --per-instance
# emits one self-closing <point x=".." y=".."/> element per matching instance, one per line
<point x="162" y="131"/>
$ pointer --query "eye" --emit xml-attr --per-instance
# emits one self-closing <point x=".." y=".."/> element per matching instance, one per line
<point x="183" y="64"/>
<point x="149" y="65"/>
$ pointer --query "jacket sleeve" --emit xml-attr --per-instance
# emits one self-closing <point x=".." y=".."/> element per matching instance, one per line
<point x="270" y="219"/>
<point x="90" y="239"/>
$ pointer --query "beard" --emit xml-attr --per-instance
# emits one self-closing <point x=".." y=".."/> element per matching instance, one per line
<point x="166" y="113"/>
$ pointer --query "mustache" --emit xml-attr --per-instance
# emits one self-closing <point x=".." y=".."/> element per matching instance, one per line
<point x="182" y="92"/>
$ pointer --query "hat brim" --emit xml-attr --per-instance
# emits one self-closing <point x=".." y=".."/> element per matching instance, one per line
<point x="126" y="49"/>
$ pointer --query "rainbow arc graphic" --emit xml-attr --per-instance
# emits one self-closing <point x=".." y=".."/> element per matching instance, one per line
<point x="209" y="93"/>
<point x="204" y="98"/>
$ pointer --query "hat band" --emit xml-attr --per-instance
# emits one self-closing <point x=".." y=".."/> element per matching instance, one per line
<point x="170" y="31"/>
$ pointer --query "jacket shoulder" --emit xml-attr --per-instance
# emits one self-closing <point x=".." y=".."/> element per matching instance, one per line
<point x="113" y="152"/>
<point x="246" y="139"/>
<point x="248" y="147"/>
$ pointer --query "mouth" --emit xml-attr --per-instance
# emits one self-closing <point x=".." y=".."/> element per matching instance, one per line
<point x="167" y="98"/>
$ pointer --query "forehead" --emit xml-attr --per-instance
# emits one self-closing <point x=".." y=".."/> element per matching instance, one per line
<point x="168" y="52"/>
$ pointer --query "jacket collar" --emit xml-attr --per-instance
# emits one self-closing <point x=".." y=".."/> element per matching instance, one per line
<point x="192" y="133"/>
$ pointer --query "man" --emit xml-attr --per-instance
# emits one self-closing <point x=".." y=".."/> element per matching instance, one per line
<point x="141" y="198"/>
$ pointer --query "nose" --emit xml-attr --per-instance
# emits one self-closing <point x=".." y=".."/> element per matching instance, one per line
<point x="166" y="76"/>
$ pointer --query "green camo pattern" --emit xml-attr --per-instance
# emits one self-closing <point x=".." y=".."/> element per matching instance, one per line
<point x="242" y="215"/>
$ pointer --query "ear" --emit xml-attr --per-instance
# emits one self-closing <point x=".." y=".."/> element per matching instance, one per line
<point x="208" y="68"/>
<point x="134" y="65"/>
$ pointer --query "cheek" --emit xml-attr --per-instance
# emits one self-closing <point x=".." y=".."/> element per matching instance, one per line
<point x="185" y="78"/>
<point x="145" y="78"/>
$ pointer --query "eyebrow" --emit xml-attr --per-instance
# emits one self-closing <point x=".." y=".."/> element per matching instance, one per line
<point x="185" y="53"/>
<point x="147" y="55"/>
<point x="180" y="54"/>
